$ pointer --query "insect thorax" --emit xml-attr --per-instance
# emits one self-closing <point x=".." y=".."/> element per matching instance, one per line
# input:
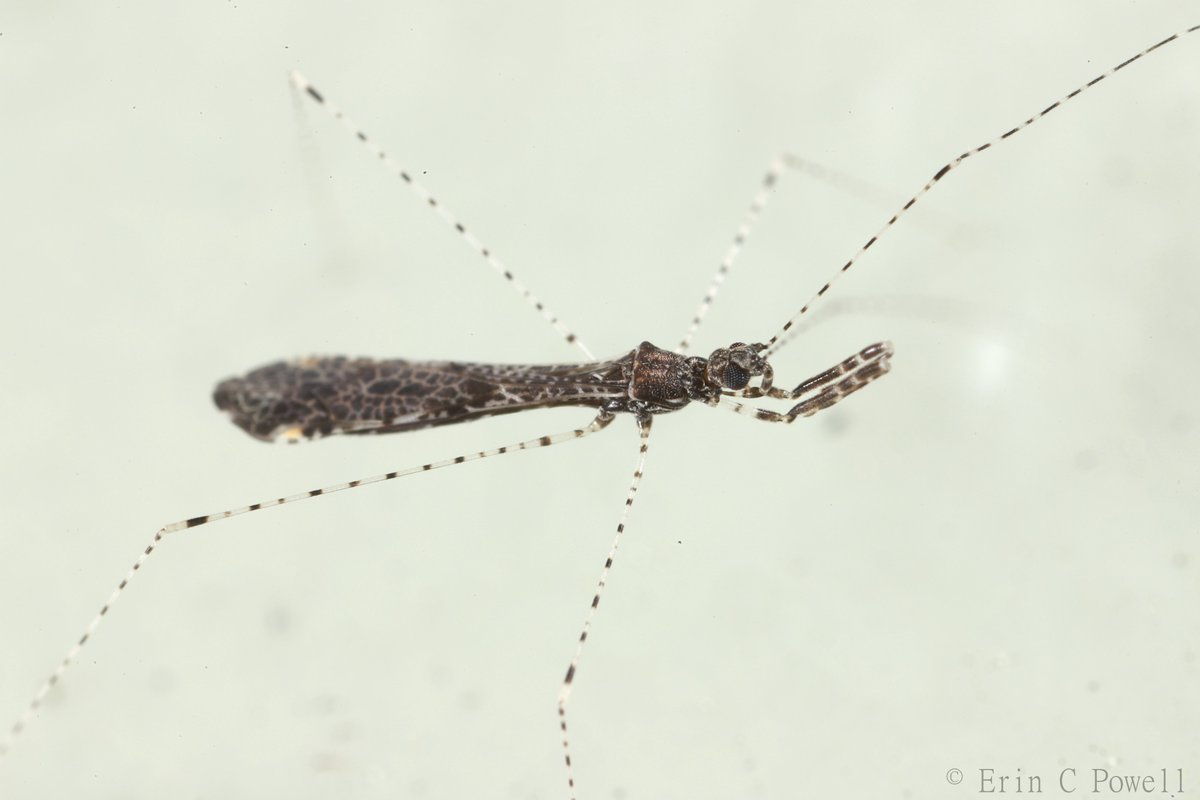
<point x="663" y="381"/>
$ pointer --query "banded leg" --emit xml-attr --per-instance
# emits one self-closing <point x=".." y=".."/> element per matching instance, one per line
<point x="564" y="692"/>
<point x="838" y="180"/>
<point x="778" y="340"/>
<point x="839" y="382"/>
<point x="302" y="84"/>
<point x="874" y="352"/>
<point x="735" y="247"/>
<point x="602" y="420"/>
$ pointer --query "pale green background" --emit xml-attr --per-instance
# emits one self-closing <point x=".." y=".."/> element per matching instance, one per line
<point x="986" y="560"/>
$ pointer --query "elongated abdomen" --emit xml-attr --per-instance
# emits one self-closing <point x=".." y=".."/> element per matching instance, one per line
<point x="312" y="397"/>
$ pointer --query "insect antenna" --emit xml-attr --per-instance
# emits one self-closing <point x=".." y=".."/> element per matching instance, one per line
<point x="778" y="340"/>
<point x="785" y="161"/>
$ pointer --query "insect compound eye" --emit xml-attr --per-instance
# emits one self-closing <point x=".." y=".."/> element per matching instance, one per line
<point x="734" y="377"/>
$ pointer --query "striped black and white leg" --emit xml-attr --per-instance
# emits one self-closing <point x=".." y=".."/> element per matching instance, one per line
<point x="735" y="247"/>
<point x="602" y="420"/>
<point x="780" y="338"/>
<point x="873" y="352"/>
<point x="786" y="161"/>
<point x="564" y="693"/>
<point x="301" y="83"/>
<point x="830" y="386"/>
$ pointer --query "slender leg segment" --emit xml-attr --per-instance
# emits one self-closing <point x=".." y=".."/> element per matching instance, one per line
<point x="302" y="84"/>
<point x="778" y="340"/>
<point x="785" y="161"/>
<point x="735" y="247"/>
<point x="601" y="421"/>
<point x="564" y="693"/>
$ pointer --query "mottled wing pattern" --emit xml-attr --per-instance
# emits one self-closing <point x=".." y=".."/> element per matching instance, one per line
<point x="318" y="396"/>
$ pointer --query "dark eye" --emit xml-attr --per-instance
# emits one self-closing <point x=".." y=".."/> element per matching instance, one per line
<point x="734" y="377"/>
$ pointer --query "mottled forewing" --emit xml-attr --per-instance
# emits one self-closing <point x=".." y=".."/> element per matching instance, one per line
<point x="312" y="397"/>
